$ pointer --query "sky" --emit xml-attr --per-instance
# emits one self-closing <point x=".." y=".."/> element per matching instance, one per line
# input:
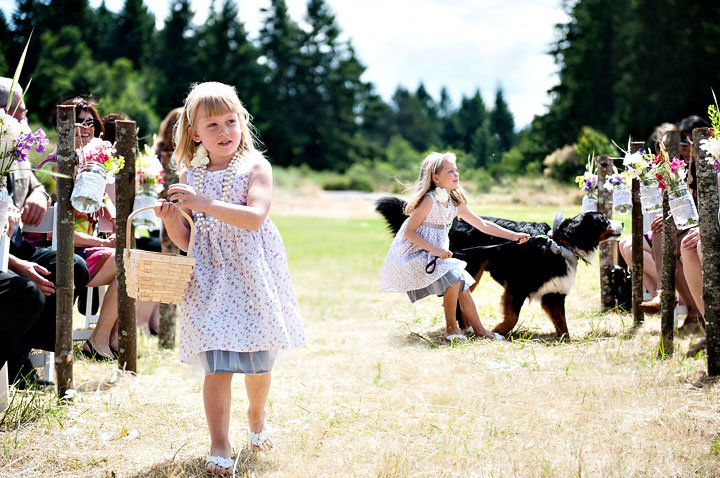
<point x="461" y="44"/>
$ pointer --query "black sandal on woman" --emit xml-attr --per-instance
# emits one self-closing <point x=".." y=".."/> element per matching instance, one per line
<point x="93" y="354"/>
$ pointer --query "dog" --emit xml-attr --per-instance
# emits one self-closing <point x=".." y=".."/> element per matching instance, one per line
<point x="543" y="268"/>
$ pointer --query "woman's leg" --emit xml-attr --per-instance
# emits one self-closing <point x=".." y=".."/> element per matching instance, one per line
<point x="258" y="388"/>
<point x="216" y="398"/>
<point x="100" y="337"/>
<point x="450" y="300"/>
<point x="144" y="312"/>
<point x="470" y="314"/>
<point x="106" y="274"/>
<point x="692" y="268"/>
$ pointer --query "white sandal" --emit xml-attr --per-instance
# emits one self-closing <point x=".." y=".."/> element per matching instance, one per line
<point x="260" y="438"/>
<point x="222" y="462"/>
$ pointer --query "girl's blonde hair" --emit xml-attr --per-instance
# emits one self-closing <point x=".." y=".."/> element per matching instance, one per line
<point x="209" y="99"/>
<point x="432" y="164"/>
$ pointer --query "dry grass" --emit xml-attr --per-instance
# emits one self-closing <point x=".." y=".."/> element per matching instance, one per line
<point x="378" y="393"/>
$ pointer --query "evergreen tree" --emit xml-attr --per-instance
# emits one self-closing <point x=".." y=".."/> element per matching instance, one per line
<point x="586" y="56"/>
<point x="104" y="46"/>
<point x="226" y="54"/>
<point x="468" y="119"/>
<point x="5" y="43"/>
<point x="412" y="122"/>
<point x="502" y="123"/>
<point x="134" y="33"/>
<point x="174" y="58"/>
<point x="333" y="89"/>
<point x="27" y="16"/>
<point x="279" y="115"/>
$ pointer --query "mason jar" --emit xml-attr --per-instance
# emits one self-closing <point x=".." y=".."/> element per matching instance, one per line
<point x="622" y="199"/>
<point x="145" y="197"/>
<point x="589" y="203"/>
<point x="682" y="208"/>
<point x="650" y="196"/>
<point x="89" y="190"/>
<point x="5" y="201"/>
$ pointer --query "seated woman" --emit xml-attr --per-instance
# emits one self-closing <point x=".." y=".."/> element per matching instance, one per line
<point x="98" y="252"/>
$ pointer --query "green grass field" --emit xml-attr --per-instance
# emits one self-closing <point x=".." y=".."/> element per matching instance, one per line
<point x="378" y="392"/>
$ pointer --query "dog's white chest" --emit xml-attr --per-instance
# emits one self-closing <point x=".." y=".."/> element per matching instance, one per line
<point x="559" y="284"/>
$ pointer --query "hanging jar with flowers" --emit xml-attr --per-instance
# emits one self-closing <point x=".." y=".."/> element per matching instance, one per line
<point x="671" y="175"/>
<point x="148" y="185"/>
<point x="98" y="165"/>
<point x="638" y="166"/>
<point x="588" y="183"/>
<point x="16" y="140"/>
<point x="619" y="184"/>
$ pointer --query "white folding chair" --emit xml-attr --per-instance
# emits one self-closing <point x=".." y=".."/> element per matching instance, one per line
<point x="4" y="383"/>
<point x="49" y="225"/>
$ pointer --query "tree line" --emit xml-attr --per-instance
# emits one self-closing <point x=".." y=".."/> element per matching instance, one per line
<point x="301" y="81"/>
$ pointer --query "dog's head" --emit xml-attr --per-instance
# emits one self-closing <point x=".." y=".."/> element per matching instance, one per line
<point x="583" y="233"/>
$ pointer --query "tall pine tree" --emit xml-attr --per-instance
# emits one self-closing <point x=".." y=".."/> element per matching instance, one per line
<point x="175" y="57"/>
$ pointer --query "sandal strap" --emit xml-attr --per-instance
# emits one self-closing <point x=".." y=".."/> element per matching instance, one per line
<point x="260" y="437"/>
<point x="220" y="461"/>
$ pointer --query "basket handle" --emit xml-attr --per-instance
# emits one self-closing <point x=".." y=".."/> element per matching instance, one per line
<point x="128" y="227"/>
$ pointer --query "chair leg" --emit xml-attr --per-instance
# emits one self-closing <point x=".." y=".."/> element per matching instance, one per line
<point x="4" y="388"/>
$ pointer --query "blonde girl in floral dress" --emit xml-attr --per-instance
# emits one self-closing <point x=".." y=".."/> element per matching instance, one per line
<point x="437" y="198"/>
<point x="240" y="308"/>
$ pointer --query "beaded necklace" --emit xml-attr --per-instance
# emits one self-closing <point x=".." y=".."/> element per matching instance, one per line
<point x="203" y="221"/>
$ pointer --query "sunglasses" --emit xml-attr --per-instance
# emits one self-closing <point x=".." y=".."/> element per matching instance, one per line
<point x="86" y="123"/>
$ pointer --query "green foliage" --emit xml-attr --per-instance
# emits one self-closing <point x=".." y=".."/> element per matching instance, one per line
<point x="593" y="143"/>
<point x="563" y="164"/>
<point x="302" y="83"/>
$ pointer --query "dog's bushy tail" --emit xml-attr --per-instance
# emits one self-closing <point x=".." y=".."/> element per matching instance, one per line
<point x="391" y="209"/>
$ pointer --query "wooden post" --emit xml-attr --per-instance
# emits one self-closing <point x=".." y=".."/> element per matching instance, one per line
<point x="64" y="282"/>
<point x="669" y="260"/>
<point x="637" y="246"/>
<point x="126" y="135"/>
<point x="710" y="239"/>
<point x="168" y="312"/>
<point x="605" y="206"/>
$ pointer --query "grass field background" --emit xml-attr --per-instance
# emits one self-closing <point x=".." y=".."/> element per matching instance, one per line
<point x="378" y="392"/>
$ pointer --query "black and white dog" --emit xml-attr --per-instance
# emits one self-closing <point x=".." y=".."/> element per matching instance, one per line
<point x="543" y="268"/>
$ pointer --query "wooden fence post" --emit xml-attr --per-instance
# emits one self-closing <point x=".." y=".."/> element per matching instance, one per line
<point x="64" y="282"/>
<point x="669" y="260"/>
<point x="605" y="206"/>
<point x="637" y="246"/>
<point x="168" y="312"/>
<point x="126" y="134"/>
<point x="710" y="239"/>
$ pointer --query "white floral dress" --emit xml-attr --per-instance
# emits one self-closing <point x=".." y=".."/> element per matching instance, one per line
<point x="404" y="269"/>
<point x="240" y="299"/>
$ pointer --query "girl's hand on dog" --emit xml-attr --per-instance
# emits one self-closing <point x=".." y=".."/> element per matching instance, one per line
<point x="442" y="253"/>
<point x="522" y="238"/>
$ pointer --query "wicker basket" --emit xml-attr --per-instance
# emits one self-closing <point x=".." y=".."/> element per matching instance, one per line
<point x="154" y="276"/>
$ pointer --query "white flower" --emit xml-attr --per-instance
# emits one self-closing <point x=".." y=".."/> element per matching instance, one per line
<point x="200" y="158"/>
<point x="711" y="146"/>
<point x="13" y="128"/>
<point x="441" y="195"/>
<point x="632" y="159"/>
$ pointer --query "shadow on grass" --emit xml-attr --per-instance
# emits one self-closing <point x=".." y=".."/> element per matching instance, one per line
<point x="248" y="465"/>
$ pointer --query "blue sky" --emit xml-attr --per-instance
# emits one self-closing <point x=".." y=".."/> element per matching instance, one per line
<point x="462" y="44"/>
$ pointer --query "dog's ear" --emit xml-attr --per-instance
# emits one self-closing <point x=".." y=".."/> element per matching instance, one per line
<point x="557" y="220"/>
